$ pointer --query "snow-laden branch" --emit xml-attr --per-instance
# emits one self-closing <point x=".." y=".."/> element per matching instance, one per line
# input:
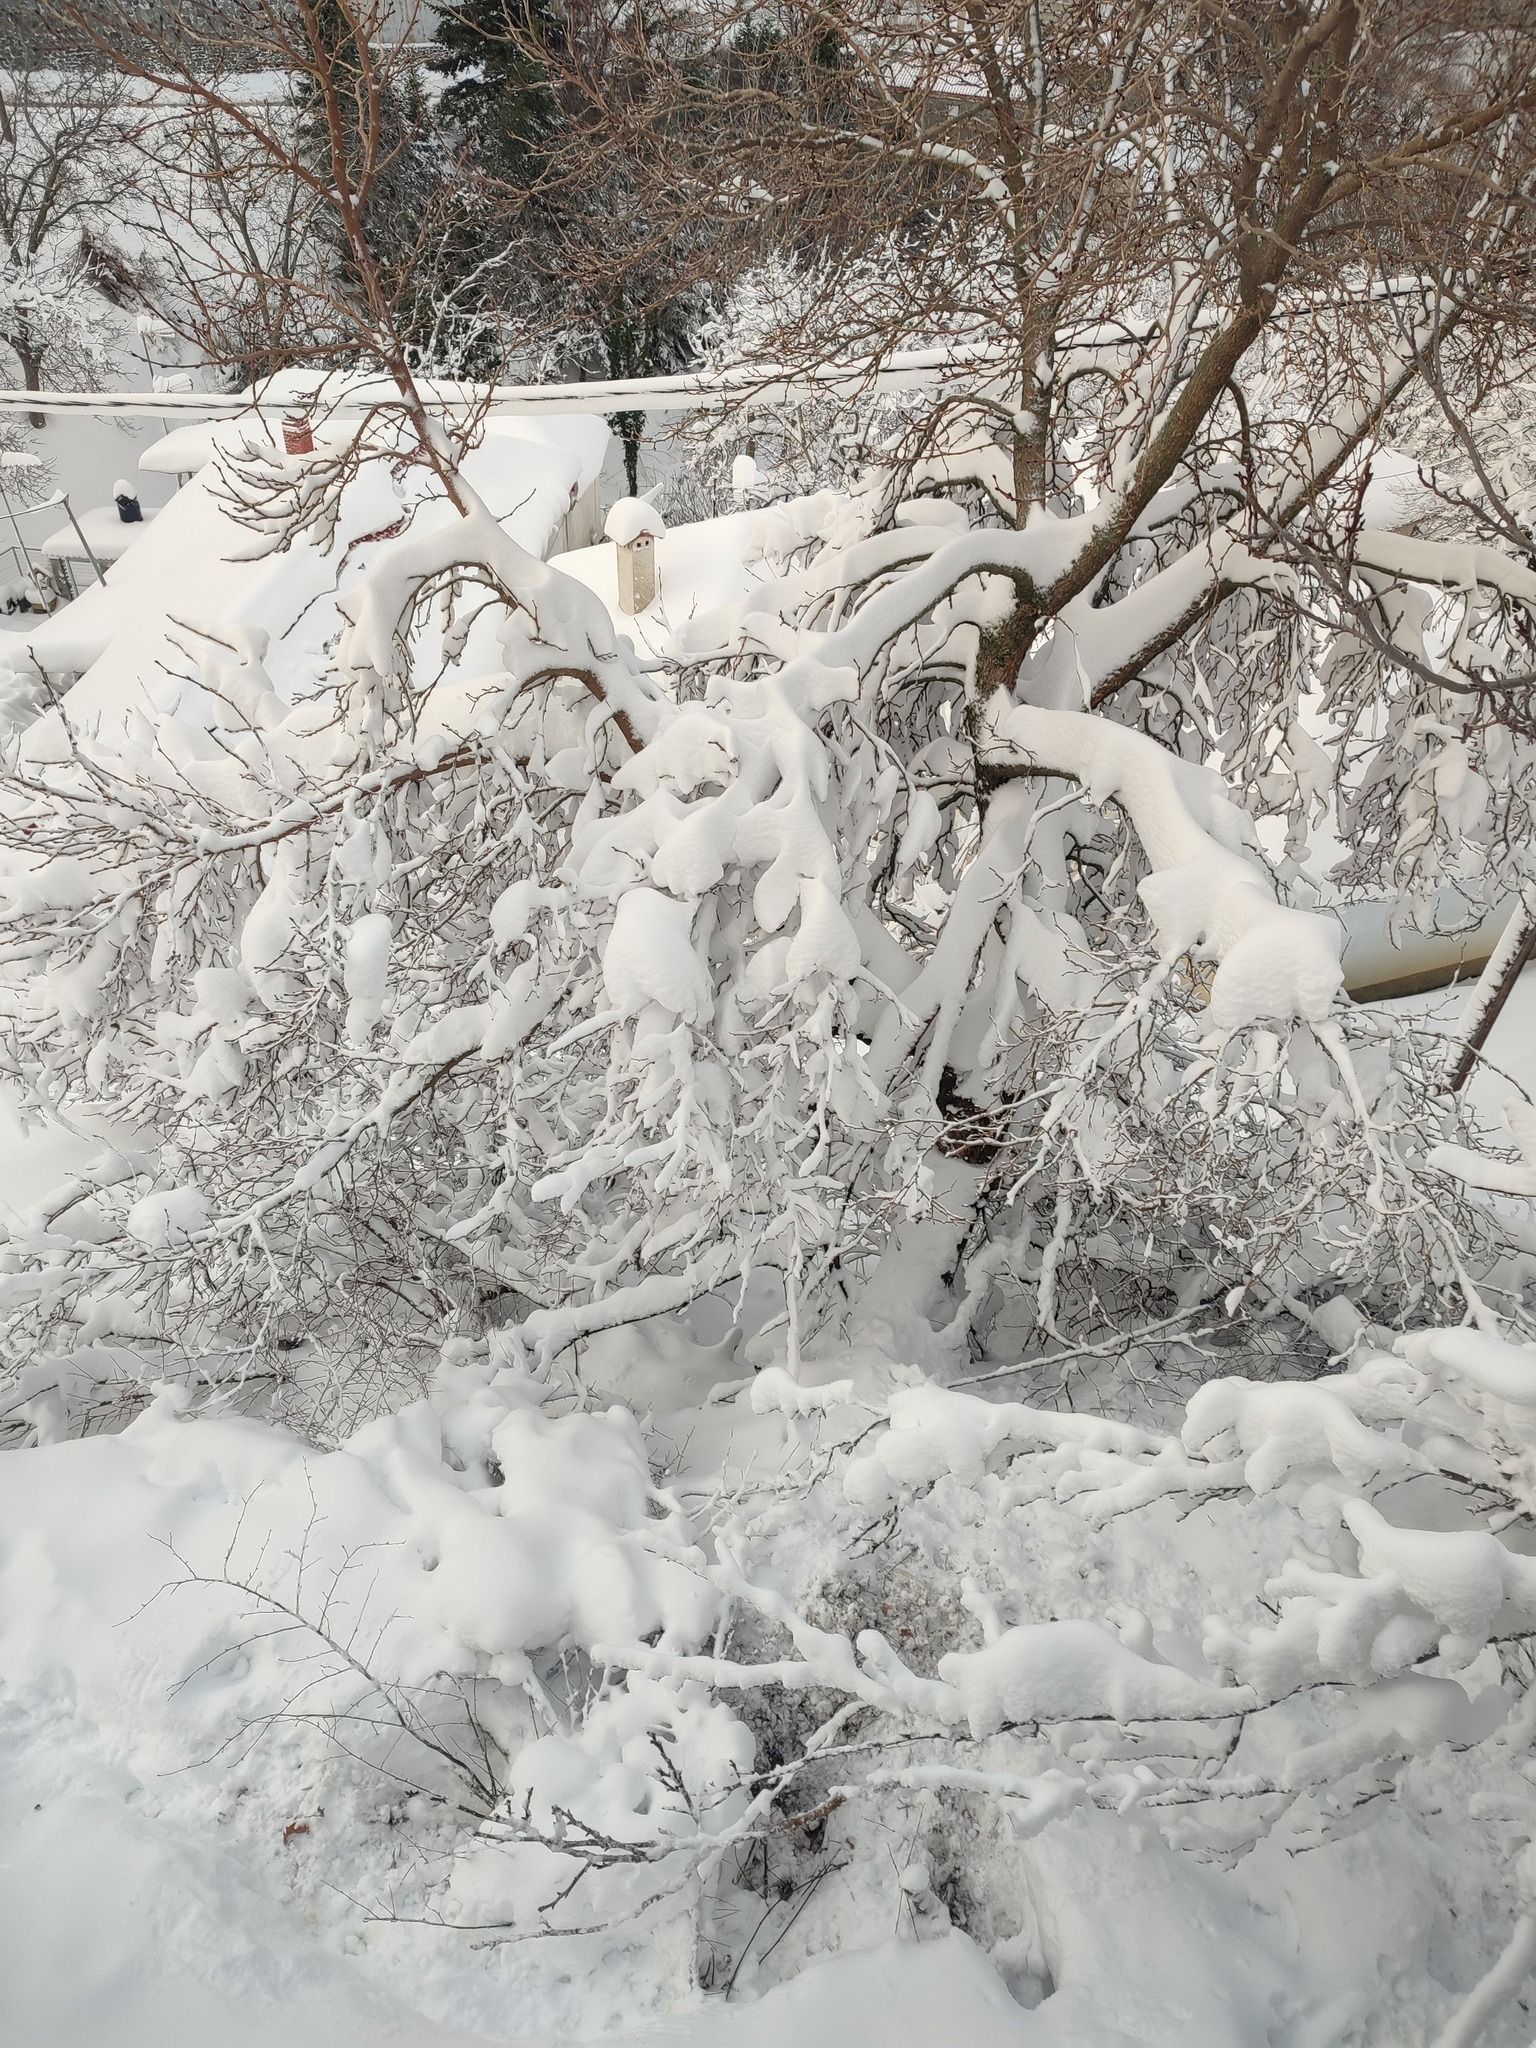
<point x="563" y="617"/>
<point x="1452" y="564"/>
<point x="1208" y="894"/>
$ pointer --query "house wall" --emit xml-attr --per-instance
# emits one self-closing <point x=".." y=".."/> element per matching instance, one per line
<point x="582" y="526"/>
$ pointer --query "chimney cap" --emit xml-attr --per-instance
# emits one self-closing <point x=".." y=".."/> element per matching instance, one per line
<point x="630" y="518"/>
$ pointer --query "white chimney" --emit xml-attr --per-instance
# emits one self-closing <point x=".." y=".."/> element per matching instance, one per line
<point x="634" y="528"/>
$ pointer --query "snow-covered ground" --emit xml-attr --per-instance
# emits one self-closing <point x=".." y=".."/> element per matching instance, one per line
<point x="212" y="1829"/>
<point x="220" y="1822"/>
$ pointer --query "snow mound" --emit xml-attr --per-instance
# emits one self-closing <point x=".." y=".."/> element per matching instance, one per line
<point x="297" y="1730"/>
<point x="628" y="518"/>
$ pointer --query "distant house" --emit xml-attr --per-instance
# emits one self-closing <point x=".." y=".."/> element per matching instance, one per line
<point x="94" y="539"/>
<point x="195" y="566"/>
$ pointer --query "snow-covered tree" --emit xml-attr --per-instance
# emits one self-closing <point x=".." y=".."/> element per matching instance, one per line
<point x="301" y="207"/>
<point x="904" y="939"/>
<point x="496" y="84"/>
<point x="63" y="164"/>
<point x="904" y="989"/>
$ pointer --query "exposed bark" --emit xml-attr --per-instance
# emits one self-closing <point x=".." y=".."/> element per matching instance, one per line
<point x="1495" y="986"/>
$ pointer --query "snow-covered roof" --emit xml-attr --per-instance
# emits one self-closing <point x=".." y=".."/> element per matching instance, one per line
<point x="193" y="568"/>
<point x="108" y="536"/>
<point x="183" y="451"/>
<point x="699" y="568"/>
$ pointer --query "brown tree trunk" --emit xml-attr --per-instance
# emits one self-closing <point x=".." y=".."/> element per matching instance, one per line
<point x="1003" y="648"/>
<point x="32" y="378"/>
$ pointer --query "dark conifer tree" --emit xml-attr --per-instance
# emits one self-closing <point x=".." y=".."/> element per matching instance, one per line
<point x="513" y="99"/>
<point x="496" y="59"/>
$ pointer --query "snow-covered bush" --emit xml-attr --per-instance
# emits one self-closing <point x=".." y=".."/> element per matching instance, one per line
<point x="869" y="1652"/>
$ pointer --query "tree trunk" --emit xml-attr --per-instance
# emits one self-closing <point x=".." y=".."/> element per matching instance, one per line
<point x="1003" y="648"/>
<point x="1495" y="985"/>
<point x="32" y="378"/>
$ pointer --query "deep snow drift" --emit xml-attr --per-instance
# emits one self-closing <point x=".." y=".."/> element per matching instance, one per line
<point x="774" y="1693"/>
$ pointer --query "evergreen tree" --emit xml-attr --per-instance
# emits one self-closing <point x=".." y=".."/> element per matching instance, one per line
<point x="504" y="60"/>
<point x="499" y="91"/>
